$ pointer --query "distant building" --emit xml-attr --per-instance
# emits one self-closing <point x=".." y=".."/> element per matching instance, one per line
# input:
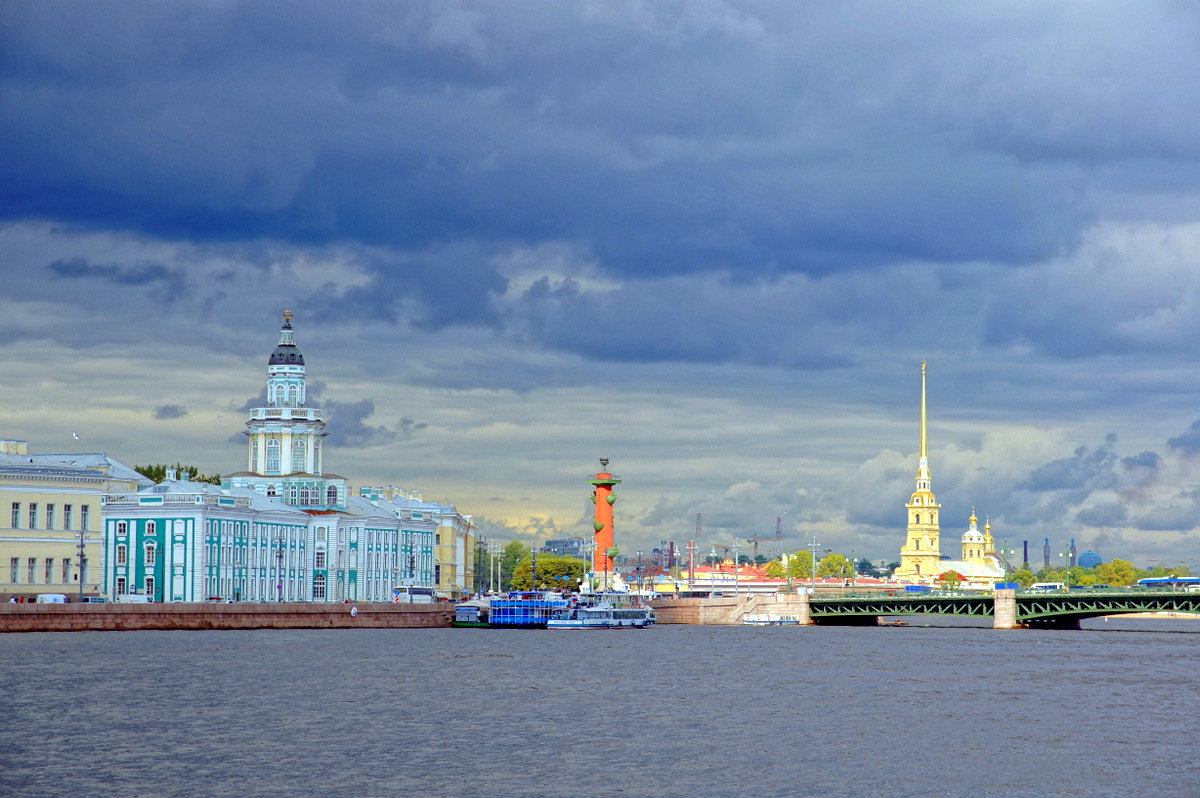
<point x="1090" y="559"/>
<point x="921" y="558"/>
<point x="283" y="529"/>
<point x="50" y="503"/>
<point x="565" y="547"/>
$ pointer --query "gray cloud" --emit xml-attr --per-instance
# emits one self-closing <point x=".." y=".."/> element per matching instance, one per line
<point x="1188" y="441"/>
<point x="170" y="411"/>
<point x="1085" y="469"/>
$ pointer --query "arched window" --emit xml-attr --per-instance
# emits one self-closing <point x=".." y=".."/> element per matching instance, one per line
<point x="917" y="518"/>
<point x="293" y="495"/>
<point x="331" y="496"/>
<point x="272" y="456"/>
<point x="254" y="454"/>
<point x="319" y="587"/>
<point x="916" y="545"/>
<point x="298" y="454"/>
<point x="292" y="394"/>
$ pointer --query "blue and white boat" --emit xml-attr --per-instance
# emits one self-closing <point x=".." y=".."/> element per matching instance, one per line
<point x="603" y="611"/>
<point x="767" y="619"/>
<point x="529" y="609"/>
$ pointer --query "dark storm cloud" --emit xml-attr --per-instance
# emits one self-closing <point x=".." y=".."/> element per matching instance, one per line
<point x="1188" y="441"/>
<point x="346" y="423"/>
<point x="1143" y="460"/>
<point x="1103" y="515"/>
<point x="171" y="283"/>
<point x="170" y="411"/>
<point x="673" y="138"/>
<point x="1086" y="469"/>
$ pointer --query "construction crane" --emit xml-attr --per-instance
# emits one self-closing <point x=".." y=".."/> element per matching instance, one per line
<point x="778" y="538"/>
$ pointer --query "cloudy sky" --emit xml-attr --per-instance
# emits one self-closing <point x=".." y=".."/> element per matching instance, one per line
<point x="711" y="241"/>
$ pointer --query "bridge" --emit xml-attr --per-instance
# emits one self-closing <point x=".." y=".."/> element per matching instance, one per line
<point x="1008" y="608"/>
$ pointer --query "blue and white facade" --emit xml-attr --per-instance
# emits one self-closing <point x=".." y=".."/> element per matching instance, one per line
<point x="284" y="438"/>
<point x="283" y="530"/>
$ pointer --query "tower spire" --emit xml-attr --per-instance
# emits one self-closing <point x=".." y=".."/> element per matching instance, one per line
<point x="924" y="448"/>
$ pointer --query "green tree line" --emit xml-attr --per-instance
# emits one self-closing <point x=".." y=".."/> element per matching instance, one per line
<point x="158" y="472"/>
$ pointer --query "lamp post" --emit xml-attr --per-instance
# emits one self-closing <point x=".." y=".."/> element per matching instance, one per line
<point x="814" y="547"/>
<point x="640" y="584"/>
<point x="278" y="568"/>
<point x="735" y="567"/>
<point x="1066" y="569"/>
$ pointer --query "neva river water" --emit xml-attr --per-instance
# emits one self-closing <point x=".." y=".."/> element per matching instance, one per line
<point x="670" y="711"/>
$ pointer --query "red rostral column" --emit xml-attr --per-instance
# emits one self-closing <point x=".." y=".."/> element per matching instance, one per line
<point x="604" y="500"/>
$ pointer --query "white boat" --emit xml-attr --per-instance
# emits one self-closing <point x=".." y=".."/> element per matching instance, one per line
<point x="766" y="619"/>
<point x="602" y="612"/>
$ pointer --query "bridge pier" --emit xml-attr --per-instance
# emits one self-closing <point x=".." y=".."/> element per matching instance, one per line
<point x="804" y="608"/>
<point x="1004" y="613"/>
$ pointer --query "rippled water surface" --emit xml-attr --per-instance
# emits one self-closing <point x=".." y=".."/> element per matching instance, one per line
<point x="670" y="711"/>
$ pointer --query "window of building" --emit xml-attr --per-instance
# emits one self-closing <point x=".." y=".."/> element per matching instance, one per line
<point x="16" y="515"/>
<point x="150" y="586"/>
<point x="254" y="455"/>
<point x="83" y="516"/>
<point x="297" y="454"/>
<point x="272" y="456"/>
<point x="33" y="515"/>
<point x="49" y="516"/>
<point x="331" y="496"/>
<point x="31" y="567"/>
<point x="271" y="492"/>
<point x="319" y="560"/>
<point x="122" y="585"/>
<point x="319" y="587"/>
<point x="66" y="516"/>
<point x="151" y="553"/>
<point x="122" y="528"/>
<point x="14" y="570"/>
<point x="320" y="534"/>
<point x="49" y="570"/>
<point x="151" y="527"/>
<point x="66" y="570"/>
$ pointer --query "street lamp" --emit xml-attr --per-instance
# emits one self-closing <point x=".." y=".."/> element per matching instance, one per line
<point x="814" y="547"/>
<point x="278" y="568"/>
<point x="641" y="586"/>
<point x="1066" y="569"/>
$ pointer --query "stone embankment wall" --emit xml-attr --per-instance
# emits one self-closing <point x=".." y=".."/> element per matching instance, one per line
<point x="728" y="609"/>
<point x="129" y="617"/>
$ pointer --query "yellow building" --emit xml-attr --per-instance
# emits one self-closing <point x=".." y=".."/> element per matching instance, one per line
<point x="50" y="508"/>
<point x="920" y="557"/>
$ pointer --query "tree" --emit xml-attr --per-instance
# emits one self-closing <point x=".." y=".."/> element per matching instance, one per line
<point x="1023" y="576"/>
<point x="950" y="579"/>
<point x="1116" y="572"/>
<point x="800" y="564"/>
<point x="551" y="568"/>
<point x="158" y="472"/>
<point x="835" y="565"/>
<point x="775" y="570"/>
<point x="513" y="553"/>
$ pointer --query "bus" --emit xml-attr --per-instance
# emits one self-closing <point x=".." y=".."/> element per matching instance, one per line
<point x="405" y="594"/>
<point x="1047" y="586"/>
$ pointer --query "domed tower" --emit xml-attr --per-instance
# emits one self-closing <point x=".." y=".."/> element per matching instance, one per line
<point x="284" y="458"/>
<point x="920" y="557"/>
<point x="973" y="547"/>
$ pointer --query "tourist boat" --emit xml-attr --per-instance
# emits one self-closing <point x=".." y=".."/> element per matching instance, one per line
<point x="528" y="609"/>
<point x="766" y="619"/>
<point x="603" y="611"/>
<point x="471" y="614"/>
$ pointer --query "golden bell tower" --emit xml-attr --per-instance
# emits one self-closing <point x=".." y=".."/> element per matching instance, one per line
<point x="921" y="555"/>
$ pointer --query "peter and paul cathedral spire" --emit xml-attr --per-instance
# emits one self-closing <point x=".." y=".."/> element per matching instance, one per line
<point x="921" y="555"/>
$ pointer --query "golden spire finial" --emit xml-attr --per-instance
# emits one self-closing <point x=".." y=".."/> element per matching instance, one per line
<point x="924" y="447"/>
<point x="288" y="316"/>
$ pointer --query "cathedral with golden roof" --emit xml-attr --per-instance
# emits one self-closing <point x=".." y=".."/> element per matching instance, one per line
<point x="921" y="556"/>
